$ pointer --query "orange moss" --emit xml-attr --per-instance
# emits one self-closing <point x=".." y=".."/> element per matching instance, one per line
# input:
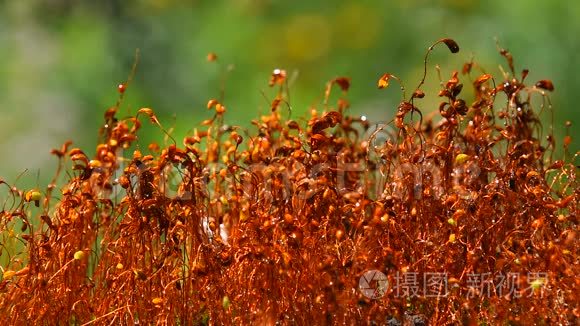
<point x="279" y="224"/>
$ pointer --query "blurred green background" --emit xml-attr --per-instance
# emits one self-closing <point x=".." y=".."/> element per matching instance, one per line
<point x="61" y="60"/>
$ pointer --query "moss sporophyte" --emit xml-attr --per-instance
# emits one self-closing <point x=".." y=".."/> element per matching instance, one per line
<point x="297" y="222"/>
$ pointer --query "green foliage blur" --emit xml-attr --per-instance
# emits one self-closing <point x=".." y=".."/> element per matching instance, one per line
<point x="61" y="60"/>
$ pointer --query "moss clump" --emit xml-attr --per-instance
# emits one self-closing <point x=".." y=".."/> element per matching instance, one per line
<point x="464" y="211"/>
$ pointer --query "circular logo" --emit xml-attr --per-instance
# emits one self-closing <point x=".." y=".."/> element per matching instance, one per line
<point x="373" y="284"/>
